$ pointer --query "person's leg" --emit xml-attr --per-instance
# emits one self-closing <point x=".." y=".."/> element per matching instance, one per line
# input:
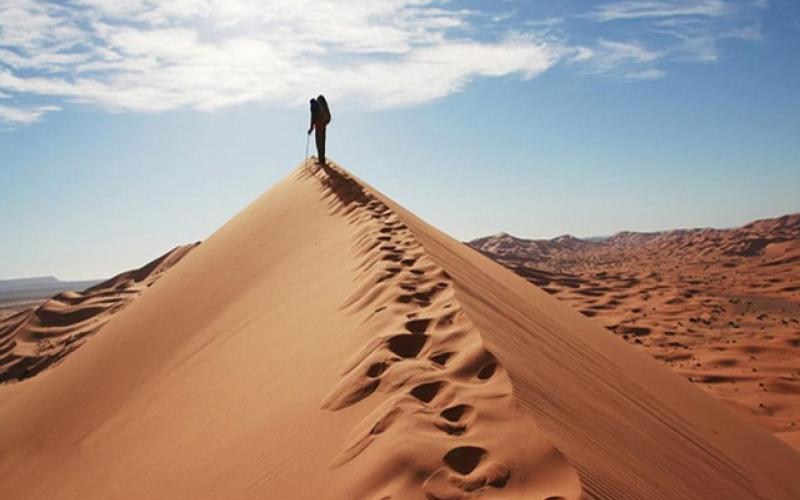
<point x="320" y="137"/>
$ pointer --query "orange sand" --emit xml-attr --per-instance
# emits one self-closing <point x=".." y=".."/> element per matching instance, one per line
<point x="325" y="343"/>
<point x="36" y="338"/>
<point x="721" y="307"/>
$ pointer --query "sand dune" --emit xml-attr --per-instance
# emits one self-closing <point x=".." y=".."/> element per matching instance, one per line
<point x="326" y="343"/>
<point x="444" y="396"/>
<point x="721" y="307"/>
<point x="37" y="338"/>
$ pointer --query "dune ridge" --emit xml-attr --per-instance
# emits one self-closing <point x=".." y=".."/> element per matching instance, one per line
<point x="250" y="371"/>
<point x="37" y="338"/>
<point x="447" y="393"/>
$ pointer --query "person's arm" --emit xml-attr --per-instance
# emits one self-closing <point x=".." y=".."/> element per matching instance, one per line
<point x="311" y="125"/>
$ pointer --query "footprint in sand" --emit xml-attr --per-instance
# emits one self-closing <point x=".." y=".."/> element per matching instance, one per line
<point x="437" y="381"/>
<point x="466" y="472"/>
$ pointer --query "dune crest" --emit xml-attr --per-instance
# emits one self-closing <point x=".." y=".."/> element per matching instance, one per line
<point x="447" y="394"/>
<point x="37" y="338"/>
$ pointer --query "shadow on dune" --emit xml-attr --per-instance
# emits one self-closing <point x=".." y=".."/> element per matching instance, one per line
<point x="346" y="189"/>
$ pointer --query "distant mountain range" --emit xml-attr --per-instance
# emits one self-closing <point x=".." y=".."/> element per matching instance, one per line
<point x="36" y="288"/>
<point x="37" y="282"/>
<point x="567" y="251"/>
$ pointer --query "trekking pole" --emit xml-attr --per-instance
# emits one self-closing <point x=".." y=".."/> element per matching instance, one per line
<point x="308" y="140"/>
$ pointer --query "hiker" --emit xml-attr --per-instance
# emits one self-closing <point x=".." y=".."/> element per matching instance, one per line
<point x="320" y="118"/>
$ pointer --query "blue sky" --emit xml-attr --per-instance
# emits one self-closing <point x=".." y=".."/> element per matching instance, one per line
<point x="129" y="127"/>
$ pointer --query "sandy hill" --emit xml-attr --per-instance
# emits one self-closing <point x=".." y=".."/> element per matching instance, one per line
<point x="720" y="306"/>
<point x="38" y="337"/>
<point x="326" y="343"/>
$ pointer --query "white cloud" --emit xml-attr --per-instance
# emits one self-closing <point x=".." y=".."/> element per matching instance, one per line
<point x="646" y="74"/>
<point x="612" y="53"/>
<point x="700" y="42"/>
<point x="23" y="116"/>
<point x="208" y="54"/>
<point x="680" y="31"/>
<point x="546" y="22"/>
<point x="152" y="56"/>
<point x="619" y="59"/>
<point x="437" y="71"/>
<point x="637" y="9"/>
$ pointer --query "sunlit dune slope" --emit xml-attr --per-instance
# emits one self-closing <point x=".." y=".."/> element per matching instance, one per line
<point x="39" y="337"/>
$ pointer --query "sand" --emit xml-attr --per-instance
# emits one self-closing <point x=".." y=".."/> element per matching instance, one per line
<point x="36" y="338"/>
<point x="326" y="343"/>
<point x="720" y="307"/>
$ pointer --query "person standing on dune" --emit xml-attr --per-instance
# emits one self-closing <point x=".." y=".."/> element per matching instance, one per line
<point x="320" y="118"/>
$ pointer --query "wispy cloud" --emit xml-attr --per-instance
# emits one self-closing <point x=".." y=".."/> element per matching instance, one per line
<point x="12" y="116"/>
<point x="700" y="40"/>
<point x="638" y="9"/>
<point x="619" y="59"/>
<point x="646" y="74"/>
<point x="149" y="56"/>
<point x="675" y="31"/>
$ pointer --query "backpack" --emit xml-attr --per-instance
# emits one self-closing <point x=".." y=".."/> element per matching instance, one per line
<point x="326" y="112"/>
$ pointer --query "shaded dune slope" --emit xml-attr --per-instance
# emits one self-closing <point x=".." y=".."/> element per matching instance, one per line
<point x="325" y="343"/>
<point x="37" y="338"/>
